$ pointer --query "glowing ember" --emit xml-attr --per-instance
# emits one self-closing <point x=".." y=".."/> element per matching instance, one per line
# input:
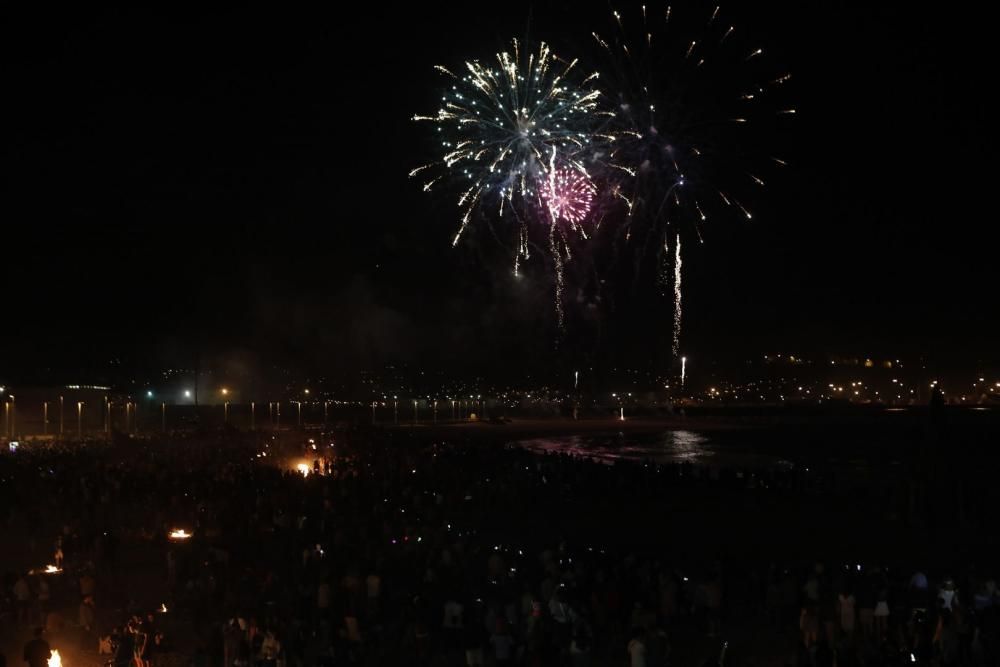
<point x="163" y="608"/>
<point x="49" y="569"/>
<point x="55" y="660"/>
<point x="179" y="534"/>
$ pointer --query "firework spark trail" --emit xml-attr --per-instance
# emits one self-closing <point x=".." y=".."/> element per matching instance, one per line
<point x="677" y="296"/>
<point x="558" y="263"/>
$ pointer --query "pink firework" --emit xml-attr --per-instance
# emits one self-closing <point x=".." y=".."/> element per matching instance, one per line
<point x="567" y="194"/>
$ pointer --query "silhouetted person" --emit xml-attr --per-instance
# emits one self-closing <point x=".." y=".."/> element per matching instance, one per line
<point x="37" y="651"/>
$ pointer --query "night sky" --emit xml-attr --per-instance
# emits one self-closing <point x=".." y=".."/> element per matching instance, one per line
<point x="236" y="183"/>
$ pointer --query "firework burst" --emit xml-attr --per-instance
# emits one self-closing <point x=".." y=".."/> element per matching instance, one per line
<point x="568" y="195"/>
<point x="520" y="136"/>
<point x="502" y="125"/>
<point x="692" y="97"/>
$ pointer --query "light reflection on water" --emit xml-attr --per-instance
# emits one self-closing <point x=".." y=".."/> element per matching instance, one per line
<point x="667" y="447"/>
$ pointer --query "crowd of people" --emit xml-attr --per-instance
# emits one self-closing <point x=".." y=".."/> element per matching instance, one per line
<point x="379" y="548"/>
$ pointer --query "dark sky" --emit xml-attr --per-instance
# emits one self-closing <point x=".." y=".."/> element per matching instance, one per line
<point x="236" y="183"/>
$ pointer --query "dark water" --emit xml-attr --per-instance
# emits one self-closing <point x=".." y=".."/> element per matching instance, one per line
<point x="869" y="444"/>
<point x="667" y="447"/>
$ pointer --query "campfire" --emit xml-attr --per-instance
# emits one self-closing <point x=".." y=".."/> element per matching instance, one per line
<point x="55" y="660"/>
<point x="49" y="569"/>
<point x="303" y="469"/>
<point x="179" y="534"/>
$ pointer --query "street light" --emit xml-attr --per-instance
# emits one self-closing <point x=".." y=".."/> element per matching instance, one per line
<point x="79" y="420"/>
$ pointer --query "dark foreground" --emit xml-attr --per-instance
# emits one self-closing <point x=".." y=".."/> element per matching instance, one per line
<point x="448" y="547"/>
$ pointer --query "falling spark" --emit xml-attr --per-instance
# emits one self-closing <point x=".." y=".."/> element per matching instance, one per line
<point x="684" y="361"/>
<point x="677" y="295"/>
<point x="558" y="262"/>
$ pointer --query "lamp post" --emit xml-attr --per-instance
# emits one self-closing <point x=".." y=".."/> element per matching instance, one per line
<point x="163" y="416"/>
<point x="45" y="418"/>
<point x="225" y="412"/>
<point x="79" y="420"/>
<point x="395" y="409"/>
<point x="299" y="406"/>
<point x="415" y="411"/>
<point x="60" y="415"/>
<point x="253" y="416"/>
<point x="326" y="406"/>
